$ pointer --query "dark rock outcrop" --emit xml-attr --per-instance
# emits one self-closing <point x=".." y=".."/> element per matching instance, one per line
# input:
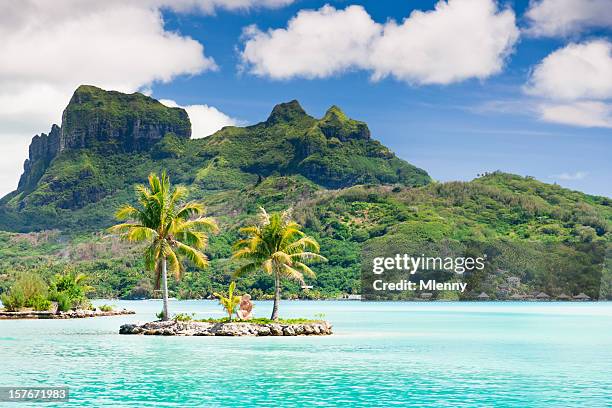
<point x="43" y="149"/>
<point x="116" y="121"/>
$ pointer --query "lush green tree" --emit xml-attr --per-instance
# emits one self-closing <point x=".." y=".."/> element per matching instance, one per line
<point x="172" y="230"/>
<point x="277" y="246"/>
<point x="69" y="290"/>
<point x="29" y="290"/>
<point x="231" y="302"/>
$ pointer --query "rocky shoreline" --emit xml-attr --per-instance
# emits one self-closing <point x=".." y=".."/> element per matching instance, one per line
<point x="177" y="328"/>
<point x="72" y="314"/>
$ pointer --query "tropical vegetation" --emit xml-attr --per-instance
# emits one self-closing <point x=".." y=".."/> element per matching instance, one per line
<point x="277" y="246"/>
<point x="171" y="229"/>
<point x="230" y="302"/>
<point x="68" y="289"/>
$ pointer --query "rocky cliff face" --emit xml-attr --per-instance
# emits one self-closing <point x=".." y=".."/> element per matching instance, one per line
<point x="114" y="121"/>
<point x="43" y="149"/>
<point x="106" y="121"/>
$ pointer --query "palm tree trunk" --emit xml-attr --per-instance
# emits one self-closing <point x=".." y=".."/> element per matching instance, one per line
<point x="165" y="290"/>
<point x="277" y="290"/>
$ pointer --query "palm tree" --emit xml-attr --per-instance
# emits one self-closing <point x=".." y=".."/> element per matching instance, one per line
<point x="231" y="302"/>
<point x="277" y="246"/>
<point x="172" y="230"/>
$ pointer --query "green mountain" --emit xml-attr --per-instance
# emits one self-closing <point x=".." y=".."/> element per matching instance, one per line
<point x="109" y="141"/>
<point x="346" y="188"/>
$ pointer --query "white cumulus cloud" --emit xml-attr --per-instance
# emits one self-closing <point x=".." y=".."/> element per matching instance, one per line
<point x="575" y="84"/>
<point x="574" y="72"/>
<point x="552" y="18"/>
<point x="579" y="113"/>
<point x="205" y="120"/>
<point x="315" y="44"/>
<point x="458" y="40"/>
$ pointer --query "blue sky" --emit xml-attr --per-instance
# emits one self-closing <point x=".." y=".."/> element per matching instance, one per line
<point x="445" y="129"/>
<point x="454" y="129"/>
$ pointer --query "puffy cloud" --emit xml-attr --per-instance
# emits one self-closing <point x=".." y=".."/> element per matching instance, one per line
<point x="459" y="39"/>
<point x="205" y="120"/>
<point x="575" y="83"/>
<point x="315" y="44"/>
<point x="565" y="17"/>
<point x="579" y="113"/>
<point x="48" y="48"/>
<point x="574" y="72"/>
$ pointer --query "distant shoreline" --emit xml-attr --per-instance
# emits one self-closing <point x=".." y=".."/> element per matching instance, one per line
<point x="73" y="314"/>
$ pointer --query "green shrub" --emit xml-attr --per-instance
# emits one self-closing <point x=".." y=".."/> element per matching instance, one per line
<point x="69" y="289"/>
<point x="40" y="303"/>
<point x="30" y="290"/>
<point x="105" y="308"/>
<point x="183" y="317"/>
<point x="14" y="300"/>
<point x="33" y="288"/>
<point x="64" y="303"/>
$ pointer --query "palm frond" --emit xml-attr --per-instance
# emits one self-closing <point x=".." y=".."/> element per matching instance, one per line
<point x="308" y="256"/>
<point x="207" y="224"/>
<point x="127" y="212"/>
<point x="304" y="243"/>
<point x="178" y="194"/>
<point x="304" y="269"/>
<point x="140" y="233"/>
<point x="174" y="265"/>
<point x="251" y="230"/>
<point x="196" y="239"/>
<point x="282" y="258"/>
<point x="293" y="274"/>
<point x="246" y="269"/>
<point x="198" y="258"/>
<point x="191" y="209"/>
<point x="243" y="253"/>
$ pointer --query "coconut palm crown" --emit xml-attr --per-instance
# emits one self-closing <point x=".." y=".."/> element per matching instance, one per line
<point x="173" y="230"/>
<point x="277" y="246"/>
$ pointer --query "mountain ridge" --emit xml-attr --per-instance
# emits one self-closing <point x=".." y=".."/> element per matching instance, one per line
<point x="99" y="127"/>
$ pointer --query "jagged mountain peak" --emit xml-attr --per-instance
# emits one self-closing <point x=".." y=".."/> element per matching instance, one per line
<point x="287" y="112"/>
<point x="336" y="124"/>
<point x="335" y="113"/>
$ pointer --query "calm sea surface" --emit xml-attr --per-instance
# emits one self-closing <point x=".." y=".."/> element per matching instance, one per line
<point x="382" y="354"/>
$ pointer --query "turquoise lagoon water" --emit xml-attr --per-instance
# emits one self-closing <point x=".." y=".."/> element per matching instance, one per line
<point x="382" y="354"/>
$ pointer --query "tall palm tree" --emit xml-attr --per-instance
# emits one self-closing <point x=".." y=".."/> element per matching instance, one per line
<point x="172" y="230"/>
<point x="277" y="246"/>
